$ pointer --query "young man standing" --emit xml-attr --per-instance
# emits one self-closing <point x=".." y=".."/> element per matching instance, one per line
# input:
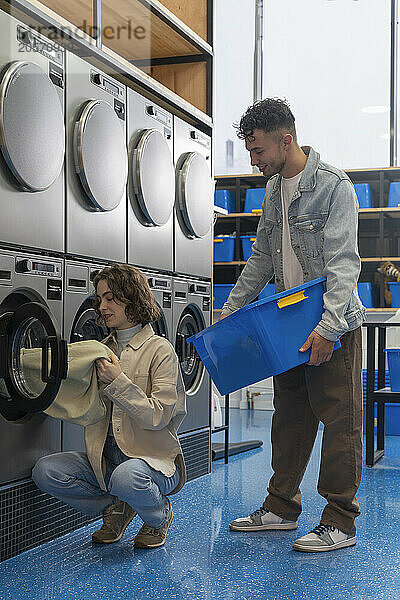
<point x="308" y="228"/>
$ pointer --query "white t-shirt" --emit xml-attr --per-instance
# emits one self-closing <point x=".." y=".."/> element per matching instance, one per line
<point x="292" y="271"/>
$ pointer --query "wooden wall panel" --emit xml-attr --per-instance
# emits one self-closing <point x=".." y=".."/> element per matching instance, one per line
<point x="188" y="80"/>
<point x="192" y="12"/>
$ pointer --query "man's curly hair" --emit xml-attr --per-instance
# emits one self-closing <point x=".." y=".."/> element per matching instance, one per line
<point x="269" y="115"/>
<point x="130" y="286"/>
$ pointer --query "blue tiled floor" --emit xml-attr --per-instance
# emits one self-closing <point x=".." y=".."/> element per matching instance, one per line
<point x="203" y="560"/>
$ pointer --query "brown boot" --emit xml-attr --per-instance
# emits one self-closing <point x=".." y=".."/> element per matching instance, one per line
<point x="147" y="537"/>
<point x="116" y="519"/>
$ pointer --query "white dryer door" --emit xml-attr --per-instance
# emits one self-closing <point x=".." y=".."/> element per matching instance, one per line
<point x="32" y="136"/>
<point x="153" y="177"/>
<point x="100" y="155"/>
<point x="195" y="194"/>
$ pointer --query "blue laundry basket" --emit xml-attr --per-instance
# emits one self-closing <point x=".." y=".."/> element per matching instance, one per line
<point x="365" y="195"/>
<point x="225" y="199"/>
<point x="267" y="291"/>
<point x="262" y="338"/>
<point x="224" y="248"/>
<point x="253" y="200"/>
<point x="364" y="290"/>
<point x="394" y="194"/>
<point x="221" y="292"/>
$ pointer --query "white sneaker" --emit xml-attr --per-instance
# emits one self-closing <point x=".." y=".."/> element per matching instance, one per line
<point x="261" y="520"/>
<point x="324" y="538"/>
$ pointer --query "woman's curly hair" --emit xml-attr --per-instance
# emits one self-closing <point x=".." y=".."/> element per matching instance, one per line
<point x="271" y="114"/>
<point x="130" y="286"/>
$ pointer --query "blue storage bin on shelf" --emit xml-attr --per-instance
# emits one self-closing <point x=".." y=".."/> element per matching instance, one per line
<point x="394" y="288"/>
<point x="394" y="194"/>
<point x="262" y="338"/>
<point x="253" y="200"/>
<point x="224" y="248"/>
<point x="267" y="291"/>
<point x="365" y="195"/>
<point x="365" y="293"/>
<point x="393" y="356"/>
<point x="221" y="292"/>
<point x="225" y="199"/>
<point x="247" y="242"/>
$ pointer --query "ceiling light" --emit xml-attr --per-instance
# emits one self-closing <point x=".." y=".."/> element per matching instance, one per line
<point x="375" y="110"/>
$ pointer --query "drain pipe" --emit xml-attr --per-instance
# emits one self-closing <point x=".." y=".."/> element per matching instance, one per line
<point x="258" y="54"/>
<point x="258" y="50"/>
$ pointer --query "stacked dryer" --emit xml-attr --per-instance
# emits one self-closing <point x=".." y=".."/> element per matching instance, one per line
<point x="32" y="138"/>
<point x="96" y="163"/>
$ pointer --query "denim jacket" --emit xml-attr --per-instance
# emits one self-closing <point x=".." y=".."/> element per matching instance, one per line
<point x="323" y="224"/>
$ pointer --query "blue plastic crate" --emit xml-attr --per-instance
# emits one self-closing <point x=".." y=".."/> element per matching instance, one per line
<point x="393" y="356"/>
<point x="365" y="195"/>
<point x="267" y="291"/>
<point x="394" y="194"/>
<point x="365" y="293"/>
<point x="224" y="248"/>
<point x="254" y="199"/>
<point x="394" y="288"/>
<point x="392" y="418"/>
<point x="261" y="339"/>
<point x="221" y="292"/>
<point x="247" y="242"/>
<point x="225" y="199"/>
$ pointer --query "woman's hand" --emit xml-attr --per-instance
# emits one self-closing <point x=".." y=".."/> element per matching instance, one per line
<point x="108" y="370"/>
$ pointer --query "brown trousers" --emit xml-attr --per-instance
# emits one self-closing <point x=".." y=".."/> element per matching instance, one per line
<point x="304" y="396"/>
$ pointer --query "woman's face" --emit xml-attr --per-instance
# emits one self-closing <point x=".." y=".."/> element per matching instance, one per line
<point x="112" y="311"/>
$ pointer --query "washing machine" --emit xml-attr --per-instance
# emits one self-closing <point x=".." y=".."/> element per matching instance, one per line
<point x="151" y="184"/>
<point x="191" y="314"/>
<point x="32" y="138"/>
<point x="96" y="163"/>
<point x="31" y="306"/>
<point x="194" y="201"/>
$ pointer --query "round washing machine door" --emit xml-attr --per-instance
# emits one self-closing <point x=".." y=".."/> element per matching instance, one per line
<point x="160" y="326"/>
<point x="195" y="194"/>
<point x="190" y="323"/>
<point x="85" y="326"/>
<point x="33" y="360"/>
<point x="100" y="155"/>
<point x="32" y="136"/>
<point x="153" y="177"/>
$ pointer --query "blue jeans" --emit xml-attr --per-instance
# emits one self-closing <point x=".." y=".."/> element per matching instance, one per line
<point x="69" y="477"/>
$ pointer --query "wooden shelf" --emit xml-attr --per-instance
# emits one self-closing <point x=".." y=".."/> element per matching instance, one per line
<point x="234" y="215"/>
<point x="380" y="259"/>
<point x="233" y="262"/>
<point x="146" y="35"/>
<point x="387" y="309"/>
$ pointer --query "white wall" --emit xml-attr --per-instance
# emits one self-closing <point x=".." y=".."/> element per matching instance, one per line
<point x="234" y="50"/>
<point x="331" y="60"/>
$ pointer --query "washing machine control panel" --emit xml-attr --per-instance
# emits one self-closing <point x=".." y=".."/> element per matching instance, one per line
<point x="107" y="84"/>
<point x="159" y="284"/>
<point x="46" y="268"/>
<point x="200" y="138"/>
<point x="161" y="116"/>
<point x="199" y="288"/>
<point x="40" y="44"/>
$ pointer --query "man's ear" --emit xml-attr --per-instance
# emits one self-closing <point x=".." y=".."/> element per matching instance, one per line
<point x="287" y="140"/>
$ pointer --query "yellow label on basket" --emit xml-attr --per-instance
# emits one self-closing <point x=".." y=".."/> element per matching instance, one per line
<point x="220" y="240"/>
<point x="252" y="239"/>
<point x="257" y="211"/>
<point x="293" y="299"/>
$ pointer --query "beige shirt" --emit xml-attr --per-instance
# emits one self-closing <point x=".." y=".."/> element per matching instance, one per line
<point x="149" y="404"/>
<point x="292" y="271"/>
